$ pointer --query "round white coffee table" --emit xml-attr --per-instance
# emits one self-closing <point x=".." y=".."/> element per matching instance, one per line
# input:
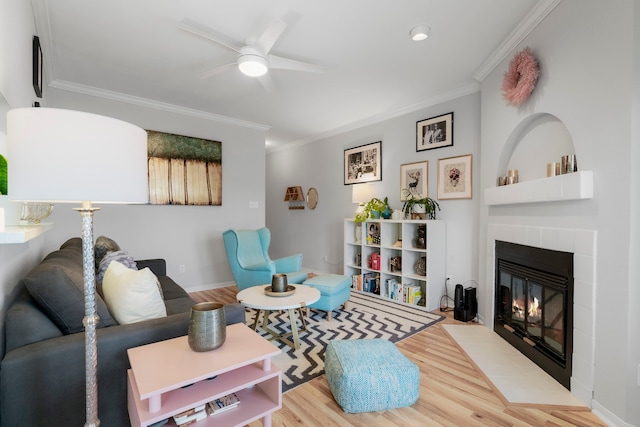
<point x="256" y="298"/>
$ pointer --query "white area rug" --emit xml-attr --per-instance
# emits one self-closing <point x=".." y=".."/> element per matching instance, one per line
<point x="518" y="379"/>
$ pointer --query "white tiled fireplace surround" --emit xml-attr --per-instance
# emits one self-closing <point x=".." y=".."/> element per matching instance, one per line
<point x="582" y="243"/>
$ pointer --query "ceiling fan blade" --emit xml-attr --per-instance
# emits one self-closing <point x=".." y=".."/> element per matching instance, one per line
<point x="271" y="35"/>
<point x="209" y="34"/>
<point x="278" y="62"/>
<point x="267" y="83"/>
<point x="217" y="70"/>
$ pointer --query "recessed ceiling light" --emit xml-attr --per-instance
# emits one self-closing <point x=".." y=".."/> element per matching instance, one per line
<point x="420" y="32"/>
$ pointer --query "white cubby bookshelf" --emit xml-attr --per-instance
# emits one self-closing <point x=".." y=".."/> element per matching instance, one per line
<point x="398" y="238"/>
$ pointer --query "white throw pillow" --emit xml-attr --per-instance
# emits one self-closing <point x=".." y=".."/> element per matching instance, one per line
<point x="132" y="295"/>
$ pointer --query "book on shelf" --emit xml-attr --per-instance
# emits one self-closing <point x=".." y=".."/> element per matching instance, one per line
<point x="223" y="403"/>
<point x="371" y="283"/>
<point x="413" y="294"/>
<point x="387" y="288"/>
<point x="191" y="416"/>
<point x="356" y="282"/>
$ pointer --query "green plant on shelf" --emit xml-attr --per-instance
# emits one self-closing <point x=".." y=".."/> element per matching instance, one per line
<point x="372" y="209"/>
<point x="415" y="205"/>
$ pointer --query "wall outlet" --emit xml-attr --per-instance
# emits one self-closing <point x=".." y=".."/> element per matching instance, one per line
<point x="325" y="258"/>
<point x="181" y="268"/>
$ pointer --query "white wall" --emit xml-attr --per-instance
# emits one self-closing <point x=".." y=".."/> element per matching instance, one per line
<point x="633" y="302"/>
<point x="586" y="82"/>
<point x="183" y="235"/>
<point x="189" y="235"/>
<point x="16" y="32"/>
<point x="319" y="232"/>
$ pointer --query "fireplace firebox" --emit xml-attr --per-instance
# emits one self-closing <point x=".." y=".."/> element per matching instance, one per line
<point x="534" y="305"/>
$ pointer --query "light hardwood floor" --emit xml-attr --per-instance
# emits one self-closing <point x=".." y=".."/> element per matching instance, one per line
<point x="452" y="392"/>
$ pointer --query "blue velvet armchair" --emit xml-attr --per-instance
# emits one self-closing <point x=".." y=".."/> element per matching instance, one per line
<point x="247" y="252"/>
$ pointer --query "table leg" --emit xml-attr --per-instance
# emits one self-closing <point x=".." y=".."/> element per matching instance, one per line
<point x="294" y="328"/>
<point x="302" y="319"/>
<point x="255" y="321"/>
<point x="265" y="319"/>
<point x="155" y="403"/>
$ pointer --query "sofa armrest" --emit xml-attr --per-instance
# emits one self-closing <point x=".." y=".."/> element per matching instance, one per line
<point x="157" y="265"/>
<point x="44" y="383"/>
<point x="289" y="263"/>
<point x="234" y="313"/>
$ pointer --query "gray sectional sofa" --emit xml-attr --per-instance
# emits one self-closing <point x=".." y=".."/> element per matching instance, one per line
<point x="42" y="374"/>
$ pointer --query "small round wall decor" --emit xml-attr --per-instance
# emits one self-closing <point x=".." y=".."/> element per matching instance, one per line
<point x="521" y="77"/>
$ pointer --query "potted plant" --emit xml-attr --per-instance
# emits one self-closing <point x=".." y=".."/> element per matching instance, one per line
<point x="373" y="208"/>
<point x="416" y="206"/>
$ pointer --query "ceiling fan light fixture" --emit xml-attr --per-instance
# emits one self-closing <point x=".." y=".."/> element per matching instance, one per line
<point x="420" y="32"/>
<point x="253" y="65"/>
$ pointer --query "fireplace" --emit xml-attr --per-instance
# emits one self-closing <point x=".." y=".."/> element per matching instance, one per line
<point x="534" y="305"/>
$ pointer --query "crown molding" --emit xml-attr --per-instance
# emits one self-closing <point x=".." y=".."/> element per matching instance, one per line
<point x="149" y="103"/>
<point x="531" y="21"/>
<point x="468" y="89"/>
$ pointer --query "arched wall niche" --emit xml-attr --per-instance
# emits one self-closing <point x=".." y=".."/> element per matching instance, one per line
<point x="539" y="139"/>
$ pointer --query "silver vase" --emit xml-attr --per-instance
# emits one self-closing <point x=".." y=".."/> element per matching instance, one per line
<point x="279" y="283"/>
<point x="207" y="326"/>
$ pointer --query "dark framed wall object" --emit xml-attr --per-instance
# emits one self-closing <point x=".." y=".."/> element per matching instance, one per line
<point x="436" y="132"/>
<point x="37" y="66"/>
<point x="363" y="164"/>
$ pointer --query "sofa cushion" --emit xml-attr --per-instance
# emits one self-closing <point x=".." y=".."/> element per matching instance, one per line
<point x="103" y="246"/>
<point x="123" y="257"/>
<point x="25" y="323"/>
<point x="57" y="285"/>
<point x="132" y="295"/>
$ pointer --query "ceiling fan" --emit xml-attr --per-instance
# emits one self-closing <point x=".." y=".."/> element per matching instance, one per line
<point x="253" y="59"/>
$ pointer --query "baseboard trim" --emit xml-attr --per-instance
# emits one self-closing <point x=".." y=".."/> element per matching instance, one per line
<point x="206" y="287"/>
<point x="607" y="416"/>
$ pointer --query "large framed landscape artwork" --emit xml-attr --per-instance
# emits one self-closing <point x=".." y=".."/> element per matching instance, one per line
<point x="184" y="170"/>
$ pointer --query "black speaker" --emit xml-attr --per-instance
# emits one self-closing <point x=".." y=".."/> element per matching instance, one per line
<point x="465" y="304"/>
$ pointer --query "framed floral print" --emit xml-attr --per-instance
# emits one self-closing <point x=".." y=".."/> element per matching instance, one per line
<point x="454" y="177"/>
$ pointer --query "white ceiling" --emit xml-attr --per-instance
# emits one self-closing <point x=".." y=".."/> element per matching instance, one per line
<point x="133" y="50"/>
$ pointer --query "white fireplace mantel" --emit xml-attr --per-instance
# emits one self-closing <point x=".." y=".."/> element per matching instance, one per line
<point x="572" y="186"/>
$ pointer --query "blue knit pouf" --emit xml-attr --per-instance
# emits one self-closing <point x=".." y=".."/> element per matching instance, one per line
<point x="370" y="375"/>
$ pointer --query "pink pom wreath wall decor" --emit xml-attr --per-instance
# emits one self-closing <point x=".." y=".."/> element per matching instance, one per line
<point x="521" y="77"/>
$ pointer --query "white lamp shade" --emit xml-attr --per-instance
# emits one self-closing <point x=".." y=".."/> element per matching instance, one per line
<point x="360" y="193"/>
<point x="57" y="155"/>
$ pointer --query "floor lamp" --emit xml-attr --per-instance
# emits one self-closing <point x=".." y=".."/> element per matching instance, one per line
<point x="63" y="156"/>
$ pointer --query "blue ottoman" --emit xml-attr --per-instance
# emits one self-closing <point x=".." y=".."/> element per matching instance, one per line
<point x="335" y="290"/>
<point x="370" y="375"/>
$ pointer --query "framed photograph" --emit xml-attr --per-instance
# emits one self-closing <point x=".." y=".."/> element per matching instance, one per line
<point x="454" y="177"/>
<point x="436" y="132"/>
<point x="37" y="66"/>
<point x="413" y="179"/>
<point x="363" y="164"/>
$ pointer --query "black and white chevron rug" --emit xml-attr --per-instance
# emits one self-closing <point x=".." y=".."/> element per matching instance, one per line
<point x="364" y="317"/>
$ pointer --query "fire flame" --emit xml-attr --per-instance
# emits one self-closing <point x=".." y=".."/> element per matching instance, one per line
<point x="534" y="310"/>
